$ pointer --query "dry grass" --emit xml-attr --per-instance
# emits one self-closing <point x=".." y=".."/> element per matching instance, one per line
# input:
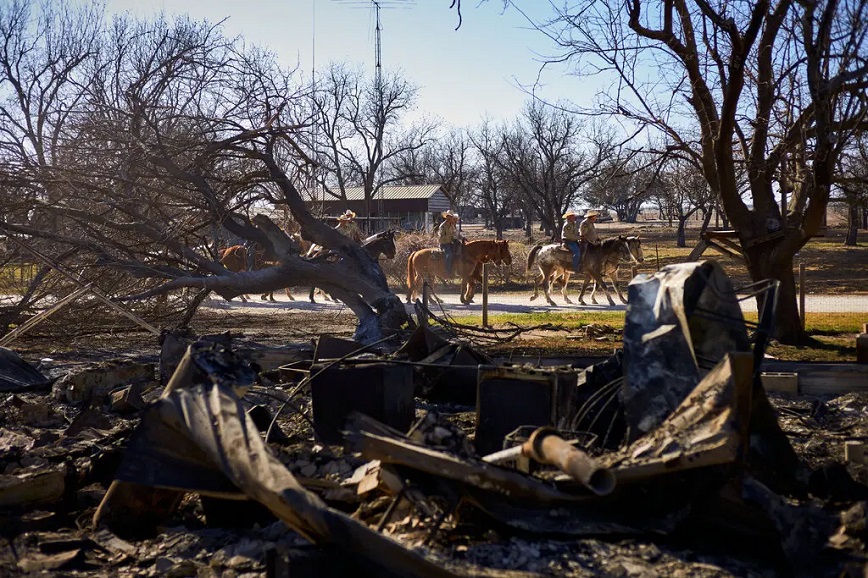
<point x="832" y="336"/>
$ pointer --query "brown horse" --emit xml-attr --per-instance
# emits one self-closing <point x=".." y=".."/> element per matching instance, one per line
<point x="598" y="260"/>
<point x="234" y="258"/>
<point x="426" y="264"/>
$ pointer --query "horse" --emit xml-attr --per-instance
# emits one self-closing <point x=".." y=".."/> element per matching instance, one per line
<point x="597" y="261"/>
<point x="235" y="259"/>
<point x="378" y="244"/>
<point x="426" y="264"/>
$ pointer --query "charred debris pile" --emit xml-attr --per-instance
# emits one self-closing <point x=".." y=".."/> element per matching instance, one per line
<point x="431" y="459"/>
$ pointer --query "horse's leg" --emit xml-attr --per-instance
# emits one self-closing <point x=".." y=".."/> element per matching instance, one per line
<point x="594" y="292"/>
<point x="582" y="292"/>
<point x="536" y="281"/>
<point x="614" y="278"/>
<point x="547" y="288"/>
<point x="468" y="289"/>
<point x="433" y="295"/>
<point x="310" y="295"/>
<point x="600" y="281"/>
<point x="288" y="292"/>
<point x="566" y="276"/>
<point x="471" y="288"/>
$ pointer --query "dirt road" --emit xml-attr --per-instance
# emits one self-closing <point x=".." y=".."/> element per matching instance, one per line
<point x="519" y="302"/>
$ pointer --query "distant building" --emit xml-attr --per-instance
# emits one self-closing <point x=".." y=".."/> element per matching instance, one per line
<point x="406" y="207"/>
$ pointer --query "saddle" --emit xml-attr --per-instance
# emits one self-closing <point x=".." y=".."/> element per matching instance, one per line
<point x="457" y="251"/>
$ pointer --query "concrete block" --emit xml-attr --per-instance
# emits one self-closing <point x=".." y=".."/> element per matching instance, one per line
<point x="781" y="382"/>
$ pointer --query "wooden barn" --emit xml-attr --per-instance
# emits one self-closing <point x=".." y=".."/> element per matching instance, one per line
<point x="414" y="207"/>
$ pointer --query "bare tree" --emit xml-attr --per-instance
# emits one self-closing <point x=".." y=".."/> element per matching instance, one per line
<point x="853" y="183"/>
<point x="444" y="160"/>
<point x="160" y="133"/>
<point x="547" y="158"/>
<point x="623" y="185"/>
<point x="683" y="191"/>
<point x="358" y="133"/>
<point x="491" y="183"/>
<point x="778" y="87"/>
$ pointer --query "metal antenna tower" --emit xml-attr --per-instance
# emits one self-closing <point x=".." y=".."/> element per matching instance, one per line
<point x="376" y="6"/>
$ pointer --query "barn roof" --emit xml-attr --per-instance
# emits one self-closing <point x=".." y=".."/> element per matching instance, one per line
<point x="396" y="192"/>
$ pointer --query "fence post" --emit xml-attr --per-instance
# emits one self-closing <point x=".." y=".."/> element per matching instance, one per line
<point x="485" y="294"/>
<point x="424" y="317"/>
<point x="802" y="294"/>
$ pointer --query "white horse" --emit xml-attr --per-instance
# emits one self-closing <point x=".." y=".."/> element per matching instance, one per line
<point x="598" y="261"/>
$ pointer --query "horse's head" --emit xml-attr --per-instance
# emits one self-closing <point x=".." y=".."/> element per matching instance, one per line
<point x="389" y="239"/>
<point x="382" y="243"/>
<point x="632" y="249"/>
<point x="502" y="253"/>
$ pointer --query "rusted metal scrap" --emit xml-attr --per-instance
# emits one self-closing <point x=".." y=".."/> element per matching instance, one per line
<point x="197" y="438"/>
<point x="547" y="447"/>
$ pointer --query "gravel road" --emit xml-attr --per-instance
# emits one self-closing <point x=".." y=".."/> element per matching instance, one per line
<point x="519" y="302"/>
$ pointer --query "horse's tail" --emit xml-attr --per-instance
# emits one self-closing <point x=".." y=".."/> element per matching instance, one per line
<point x="531" y="257"/>
<point x="411" y="275"/>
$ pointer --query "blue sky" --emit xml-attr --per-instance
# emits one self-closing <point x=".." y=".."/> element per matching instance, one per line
<point x="462" y="74"/>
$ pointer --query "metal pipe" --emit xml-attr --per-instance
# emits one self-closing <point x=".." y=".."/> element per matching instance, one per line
<point x="547" y="447"/>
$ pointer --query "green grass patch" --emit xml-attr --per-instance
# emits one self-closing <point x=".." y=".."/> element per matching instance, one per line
<point x="571" y="320"/>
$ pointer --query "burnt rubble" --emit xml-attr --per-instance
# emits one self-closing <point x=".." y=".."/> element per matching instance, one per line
<point x="431" y="458"/>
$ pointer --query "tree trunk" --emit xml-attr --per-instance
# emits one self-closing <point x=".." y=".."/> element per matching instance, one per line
<point x="770" y="264"/>
<point x="706" y="220"/>
<point x="680" y="240"/>
<point x="852" y="225"/>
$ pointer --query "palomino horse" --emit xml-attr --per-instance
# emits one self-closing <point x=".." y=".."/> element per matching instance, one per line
<point x="378" y="244"/>
<point x="425" y="264"/>
<point x="597" y="261"/>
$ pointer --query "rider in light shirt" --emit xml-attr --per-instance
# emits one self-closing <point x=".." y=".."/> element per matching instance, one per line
<point x="347" y="226"/>
<point x="447" y="234"/>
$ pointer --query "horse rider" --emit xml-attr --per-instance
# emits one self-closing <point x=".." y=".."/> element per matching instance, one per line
<point x="570" y="236"/>
<point x="347" y="226"/>
<point x="447" y="234"/>
<point x="587" y="230"/>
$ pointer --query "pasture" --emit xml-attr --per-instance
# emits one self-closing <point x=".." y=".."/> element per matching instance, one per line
<point x="831" y="269"/>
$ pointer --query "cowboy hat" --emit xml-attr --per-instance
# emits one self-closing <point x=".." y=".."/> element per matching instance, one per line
<point x="449" y="215"/>
<point x="347" y="216"/>
<point x="569" y="214"/>
<point x="592" y="213"/>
